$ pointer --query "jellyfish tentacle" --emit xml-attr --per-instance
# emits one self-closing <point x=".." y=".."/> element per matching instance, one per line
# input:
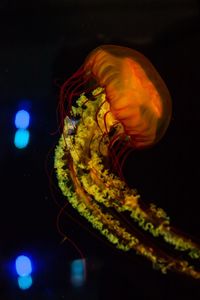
<point x="93" y="190"/>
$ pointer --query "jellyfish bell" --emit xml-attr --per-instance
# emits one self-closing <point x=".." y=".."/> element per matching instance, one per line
<point x="130" y="106"/>
<point x="138" y="96"/>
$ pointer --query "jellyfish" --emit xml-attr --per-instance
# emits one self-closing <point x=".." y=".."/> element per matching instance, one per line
<point x="114" y="103"/>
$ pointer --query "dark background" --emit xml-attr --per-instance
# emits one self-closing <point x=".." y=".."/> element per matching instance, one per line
<point x="43" y="43"/>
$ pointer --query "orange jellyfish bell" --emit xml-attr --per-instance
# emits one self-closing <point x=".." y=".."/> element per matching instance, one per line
<point x="138" y="97"/>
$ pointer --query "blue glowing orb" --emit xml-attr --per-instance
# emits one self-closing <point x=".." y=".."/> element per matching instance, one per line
<point x="22" y="119"/>
<point x="25" y="282"/>
<point x="21" y="138"/>
<point x="23" y="265"/>
<point x="78" y="272"/>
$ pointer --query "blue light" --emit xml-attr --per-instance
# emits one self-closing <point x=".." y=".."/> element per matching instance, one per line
<point x="23" y="265"/>
<point x="21" y="138"/>
<point x="25" y="282"/>
<point x="22" y="119"/>
<point x="78" y="272"/>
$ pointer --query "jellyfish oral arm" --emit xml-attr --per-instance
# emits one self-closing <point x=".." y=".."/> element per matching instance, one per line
<point x="89" y="186"/>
